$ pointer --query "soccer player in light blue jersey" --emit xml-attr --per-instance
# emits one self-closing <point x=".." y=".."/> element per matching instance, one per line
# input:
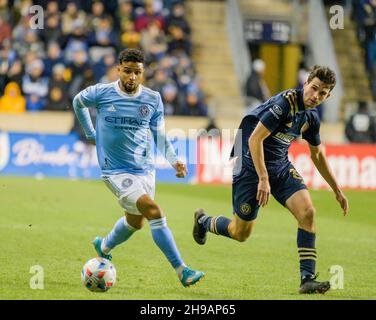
<point x="126" y="112"/>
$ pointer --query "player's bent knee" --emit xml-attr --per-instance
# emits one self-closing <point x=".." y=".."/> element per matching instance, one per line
<point x="135" y="221"/>
<point x="241" y="236"/>
<point x="148" y="208"/>
<point x="309" y="214"/>
<point x="308" y="218"/>
<point x="152" y="212"/>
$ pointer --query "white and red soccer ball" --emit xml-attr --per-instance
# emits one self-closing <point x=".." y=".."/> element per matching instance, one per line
<point x="98" y="275"/>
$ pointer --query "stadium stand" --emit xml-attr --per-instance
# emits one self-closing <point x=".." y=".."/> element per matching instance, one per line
<point x="192" y="56"/>
<point x="78" y="45"/>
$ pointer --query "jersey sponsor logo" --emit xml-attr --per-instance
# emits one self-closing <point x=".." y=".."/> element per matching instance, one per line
<point x="144" y="111"/>
<point x="277" y="109"/>
<point x="4" y="150"/>
<point x="284" y="137"/>
<point x="127" y="182"/>
<point x="125" y="120"/>
<point x="245" y="208"/>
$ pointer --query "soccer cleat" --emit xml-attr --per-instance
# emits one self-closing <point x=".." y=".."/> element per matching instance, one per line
<point x="97" y="242"/>
<point x="189" y="277"/>
<point x="199" y="232"/>
<point x="309" y="285"/>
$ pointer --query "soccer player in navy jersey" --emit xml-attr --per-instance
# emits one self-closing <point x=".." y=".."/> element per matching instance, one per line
<point x="126" y="113"/>
<point x="262" y="168"/>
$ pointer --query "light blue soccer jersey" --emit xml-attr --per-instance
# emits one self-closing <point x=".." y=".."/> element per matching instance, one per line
<point x="122" y="127"/>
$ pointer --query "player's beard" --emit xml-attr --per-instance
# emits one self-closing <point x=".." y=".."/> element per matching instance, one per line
<point x="130" y="88"/>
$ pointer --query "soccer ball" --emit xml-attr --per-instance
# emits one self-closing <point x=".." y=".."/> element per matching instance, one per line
<point x="98" y="275"/>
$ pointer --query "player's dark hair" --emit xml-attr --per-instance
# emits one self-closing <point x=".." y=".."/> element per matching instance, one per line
<point x="325" y="75"/>
<point x="131" y="55"/>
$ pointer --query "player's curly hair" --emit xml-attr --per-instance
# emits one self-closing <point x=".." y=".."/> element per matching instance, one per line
<point x="132" y="55"/>
<point x="325" y="74"/>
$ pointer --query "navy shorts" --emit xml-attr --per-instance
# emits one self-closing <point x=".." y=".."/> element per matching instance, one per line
<point x="284" y="182"/>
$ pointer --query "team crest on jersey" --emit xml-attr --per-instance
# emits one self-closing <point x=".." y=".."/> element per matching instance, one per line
<point x="295" y="174"/>
<point x="127" y="183"/>
<point x="144" y="111"/>
<point x="245" y="208"/>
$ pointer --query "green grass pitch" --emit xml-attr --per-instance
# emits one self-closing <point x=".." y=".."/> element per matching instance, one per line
<point x="51" y="223"/>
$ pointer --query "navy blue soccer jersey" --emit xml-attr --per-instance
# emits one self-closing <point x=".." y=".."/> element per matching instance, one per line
<point x="284" y="115"/>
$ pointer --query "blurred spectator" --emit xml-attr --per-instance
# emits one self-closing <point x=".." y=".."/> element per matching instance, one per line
<point x="88" y="79"/>
<point x="171" y="100"/>
<point x="23" y="7"/>
<point x="20" y="29"/>
<point x="169" y="64"/>
<point x="130" y="38"/>
<point x="178" y="42"/>
<point x="103" y="65"/>
<point x="75" y="41"/>
<point x="52" y="8"/>
<point x="369" y="25"/>
<point x="177" y="18"/>
<point x="193" y="106"/>
<point x="153" y="41"/>
<point x="160" y="80"/>
<point x="52" y="30"/>
<point x="53" y="58"/>
<point x="149" y="14"/>
<point x="125" y="12"/>
<point x="111" y="75"/>
<point x="30" y="42"/>
<point x="102" y="40"/>
<point x="57" y="91"/>
<point x="12" y="101"/>
<point x="15" y="73"/>
<point x="361" y="126"/>
<point x="4" y="11"/>
<point x="97" y="13"/>
<point x="78" y="67"/>
<point x="34" y="86"/>
<point x="34" y="103"/>
<point x="71" y="15"/>
<point x="103" y="35"/>
<point x="5" y="30"/>
<point x="256" y="86"/>
<point x="184" y="71"/>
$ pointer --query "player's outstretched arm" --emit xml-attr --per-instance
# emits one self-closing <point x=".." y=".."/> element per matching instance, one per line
<point x="321" y="163"/>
